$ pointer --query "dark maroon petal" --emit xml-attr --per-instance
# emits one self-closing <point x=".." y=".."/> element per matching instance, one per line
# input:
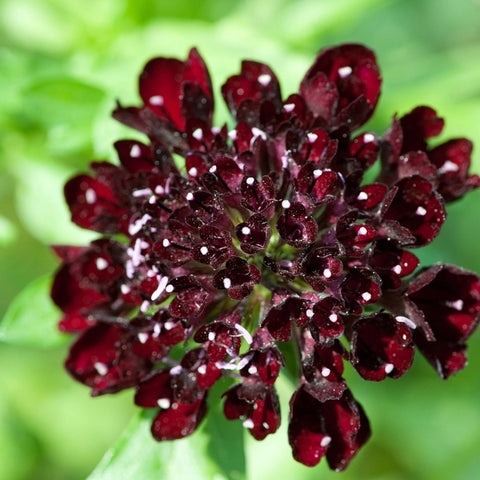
<point x="257" y="196"/>
<point x="348" y="426"/>
<point x="449" y="298"/>
<point x="135" y="156"/>
<point x="320" y="266"/>
<point x="98" y="360"/>
<point x="179" y="420"/>
<point x="447" y="358"/>
<point x="369" y="196"/>
<point x="453" y="162"/>
<point x="238" y="278"/>
<point x="360" y="287"/>
<point x="295" y="227"/>
<point x="254" y="234"/>
<point x="365" y="149"/>
<point x="419" y="208"/>
<point x="353" y="69"/>
<point x="419" y="125"/>
<point x="416" y="163"/>
<point x="151" y="390"/>
<point x="93" y="205"/>
<point x="320" y="94"/>
<point x="216" y="247"/>
<point x="381" y="346"/>
<point x="256" y="82"/>
<point x="279" y="318"/>
<point x="325" y="318"/>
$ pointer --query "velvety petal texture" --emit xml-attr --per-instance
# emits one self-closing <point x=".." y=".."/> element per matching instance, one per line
<point x="227" y="253"/>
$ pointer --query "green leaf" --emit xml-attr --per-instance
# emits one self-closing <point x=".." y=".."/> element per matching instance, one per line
<point x="32" y="317"/>
<point x="215" y="451"/>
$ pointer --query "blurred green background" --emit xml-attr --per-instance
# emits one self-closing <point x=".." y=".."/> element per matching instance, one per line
<point x="62" y="65"/>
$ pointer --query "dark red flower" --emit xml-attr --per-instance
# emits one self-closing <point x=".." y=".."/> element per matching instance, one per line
<point x="268" y="233"/>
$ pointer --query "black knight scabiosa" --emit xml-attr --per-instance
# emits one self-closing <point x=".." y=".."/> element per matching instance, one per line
<point x="221" y="248"/>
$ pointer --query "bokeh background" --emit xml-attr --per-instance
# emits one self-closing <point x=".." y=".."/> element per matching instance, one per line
<point x="62" y="65"/>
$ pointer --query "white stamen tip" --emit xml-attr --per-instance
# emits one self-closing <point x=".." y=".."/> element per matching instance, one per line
<point x="309" y="313"/>
<point x="169" y="288"/>
<point x="202" y="369"/>
<point x="286" y="204"/>
<point x="388" y="368"/>
<point x="227" y="283"/>
<point x="166" y="242"/>
<point x="142" y="337"/>
<point x="135" y="151"/>
<point x="101" y="368"/>
<point x="362" y="231"/>
<point x="125" y="289"/>
<point x="211" y="336"/>
<point x="317" y="173"/>
<point x="457" y="305"/>
<point x="264" y="79"/>
<point x="198" y="134"/>
<point x="312" y="137"/>
<point x="156" y="100"/>
<point x="163" y="403"/>
<point x="252" y="370"/>
<point x="248" y="423"/>
<point x="161" y="287"/>
<point x="289" y="107"/>
<point x="204" y="250"/>
<point x="421" y="211"/>
<point x="90" y="196"/>
<point x="327" y="273"/>
<point x="189" y="196"/>
<point x="368" y="137"/>
<point x="406" y="321"/>
<point x="362" y="196"/>
<point x="250" y="181"/>
<point x="333" y="317"/>
<point x="265" y="425"/>
<point x="366" y="296"/>
<point x="326" y="371"/>
<point x="101" y="263"/>
<point x="246" y="230"/>
<point x="397" y="269"/>
<point x="325" y="442"/>
<point x="193" y="172"/>
<point x="176" y="370"/>
<point x="212" y="169"/>
<point x="344" y="71"/>
<point x="449" y="166"/>
<point x="259" y="133"/>
<point x="232" y="134"/>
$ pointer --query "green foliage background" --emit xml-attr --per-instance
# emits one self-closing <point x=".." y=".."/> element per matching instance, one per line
<point x="62" y="65"/>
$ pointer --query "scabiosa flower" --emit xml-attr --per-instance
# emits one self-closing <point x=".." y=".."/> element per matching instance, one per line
<point x="226" y="244"/>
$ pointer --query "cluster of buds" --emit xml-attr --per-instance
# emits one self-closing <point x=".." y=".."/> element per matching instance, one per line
<point x="221" y="249"/>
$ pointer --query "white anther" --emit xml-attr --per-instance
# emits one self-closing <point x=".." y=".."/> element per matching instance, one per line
<point x="406" y="321"/>
<point x="135" y="151"/>
<point x="252" y="370"/>
<point x="246" y="230"/>
<point x="212" y="169"/>
<point x="142" y="337"/>
<point x="327" y="273"/>
<point x="163" y="403"/>
<point x="101" y="368"/>
<point x="250" y="181"/>
<point x="211" y="336"/>
<point x="227" y="283"/>
<point x="312" y="137"/>
<point x="204" y="250"/>
<point x="143" y="192"/>
<point x="309" y="313"/>
<point x="90" y="196"/>
<point x="189" y="196"/>
<point x="317" y="173"/>
<point x="421" y="211"/>
<point x="366" y="296"/>
<point x="344" y="71"/>
<point x="101" y="263"/>
<point x="169" y="288"/>
<point x="333" y="317"/>
<point x="193" y="172"/>
<point x="289" y="107"/>
<point x="248" y="423"/>
<point x="202" y="369"/>
<point x="156" y="100"/>
<point x="368" y="137"/>
<point x="388" y="368"/>
<point x="232" y="134"/>
<point x="449" y="166"/>
<point x="259" y="133"/>
<point x="286" y="204"/>
<point x="264" y="79"/>
<point x="362" y="196"/>
<point x="198" y="134"/>
<point x="166" y="242"/>
<point x="125" y="289"/>
<point x="326" y="371"/>
<point x="325" y="441"/>
<point x="397" y="269"/>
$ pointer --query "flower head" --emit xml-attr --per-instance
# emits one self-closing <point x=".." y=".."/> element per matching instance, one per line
<point x="262" y="234"/>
